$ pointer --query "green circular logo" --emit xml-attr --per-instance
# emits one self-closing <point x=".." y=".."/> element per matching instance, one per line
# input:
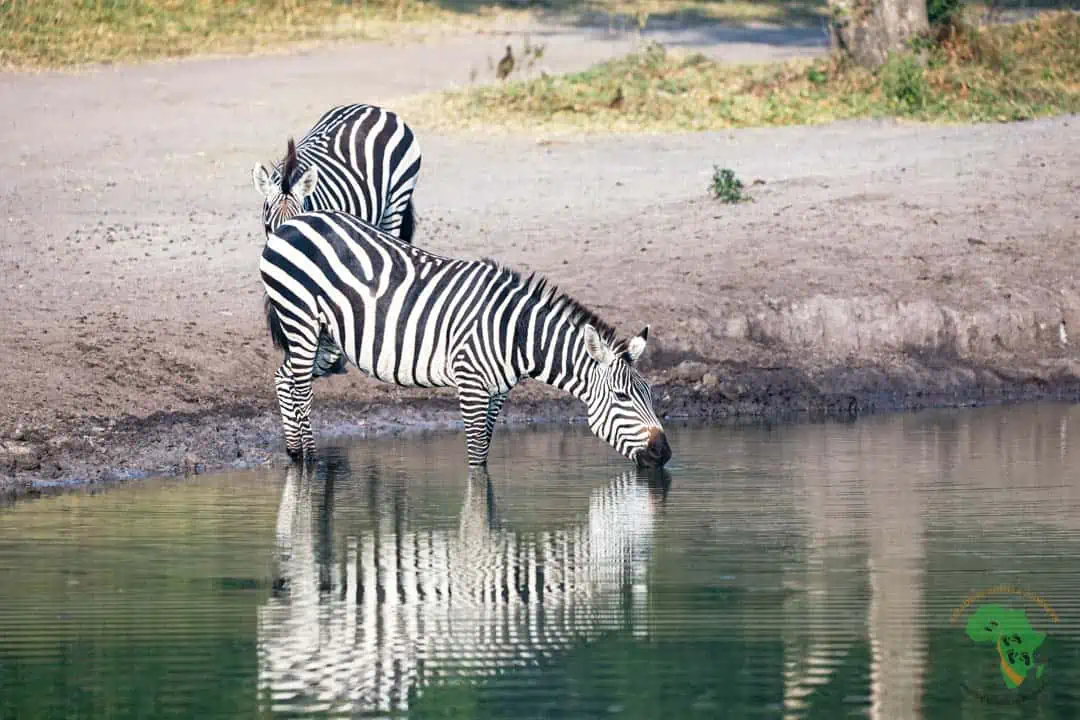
<point x="1006" y="627"/>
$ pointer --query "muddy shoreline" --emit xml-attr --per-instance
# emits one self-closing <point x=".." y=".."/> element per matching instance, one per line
<point x="95" y="454"/>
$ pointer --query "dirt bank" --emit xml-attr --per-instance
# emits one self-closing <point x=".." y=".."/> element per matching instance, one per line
<point x="93" y="453"/>
<point x="879" y="265"/>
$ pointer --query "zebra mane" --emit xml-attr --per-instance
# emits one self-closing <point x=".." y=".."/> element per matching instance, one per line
<point x="545" y="291"/>
<point x="288" y="167"/>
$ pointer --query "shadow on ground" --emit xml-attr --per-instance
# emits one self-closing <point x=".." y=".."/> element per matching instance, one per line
<point x="785" y="12"/>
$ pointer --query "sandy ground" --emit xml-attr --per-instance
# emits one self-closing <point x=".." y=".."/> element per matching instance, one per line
<point x="879" y="265"/>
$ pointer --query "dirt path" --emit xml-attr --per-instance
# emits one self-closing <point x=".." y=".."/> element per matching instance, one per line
<point x="880" y="265"/>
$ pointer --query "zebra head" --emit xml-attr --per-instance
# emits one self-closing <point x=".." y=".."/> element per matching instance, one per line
<point x="620" y="401"/>
<point x="283" y="193"/>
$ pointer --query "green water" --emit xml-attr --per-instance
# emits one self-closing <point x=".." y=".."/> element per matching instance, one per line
<point x="805" y="570"/>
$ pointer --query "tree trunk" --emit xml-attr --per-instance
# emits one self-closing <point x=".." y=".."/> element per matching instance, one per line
<point x="868" y="30"/>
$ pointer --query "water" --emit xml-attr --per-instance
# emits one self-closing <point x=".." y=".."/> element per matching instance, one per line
<point x="807" y="570"/>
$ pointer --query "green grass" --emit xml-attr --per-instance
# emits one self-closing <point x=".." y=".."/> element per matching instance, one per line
<point x="997" y="73"/>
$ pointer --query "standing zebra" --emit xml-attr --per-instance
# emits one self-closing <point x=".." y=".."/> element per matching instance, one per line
<point x="360" y="159"/>
<point x="408" y="317"/>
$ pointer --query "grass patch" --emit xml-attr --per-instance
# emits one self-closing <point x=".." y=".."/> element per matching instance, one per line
<point x="60" y="33"/>
<point x="993" y="73"/>
<point x="57" y="33"/>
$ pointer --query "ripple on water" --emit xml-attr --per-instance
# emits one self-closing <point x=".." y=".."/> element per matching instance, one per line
<point x="787" y="571"/>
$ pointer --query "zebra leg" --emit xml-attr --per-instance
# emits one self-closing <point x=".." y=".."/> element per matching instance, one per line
<point x="495" y="403"/>
<point x="294" y="400"/>
<point x="302" y="397"/>
<point x="283" y="385"/>
<point x="475" y="401"/>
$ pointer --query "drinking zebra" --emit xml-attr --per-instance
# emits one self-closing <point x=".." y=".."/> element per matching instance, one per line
<point x="412" y="318"/>
<point x="360" y="159"/>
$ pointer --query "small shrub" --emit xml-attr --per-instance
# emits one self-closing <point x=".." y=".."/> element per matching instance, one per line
<point x="904" y="84"/>
<point x="725" y="186"/>
<point x="654" y="55"/>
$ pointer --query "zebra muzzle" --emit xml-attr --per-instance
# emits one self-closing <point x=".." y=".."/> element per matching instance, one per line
<point x="657" y="452"/>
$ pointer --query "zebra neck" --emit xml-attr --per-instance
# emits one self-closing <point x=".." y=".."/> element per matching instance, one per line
<point x="563" y="362"/>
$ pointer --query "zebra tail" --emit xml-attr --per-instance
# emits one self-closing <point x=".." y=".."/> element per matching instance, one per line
<point x="273" y="323"/>
<point x="408" y="223"/>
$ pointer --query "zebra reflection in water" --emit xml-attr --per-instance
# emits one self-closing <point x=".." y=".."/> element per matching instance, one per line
<point x="358" y="622"/>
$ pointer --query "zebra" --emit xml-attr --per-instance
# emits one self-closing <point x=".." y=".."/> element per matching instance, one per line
<point x="358" y="158"/>
<point x="415" y="319"/>
<point x="361" y="159"/>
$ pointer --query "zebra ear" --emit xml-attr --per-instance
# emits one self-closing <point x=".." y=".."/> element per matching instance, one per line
<point x="260" y="177"/>
<point x="306" y="184"/>
<point x="598" y="349"/>
<point x="636" y="346"/>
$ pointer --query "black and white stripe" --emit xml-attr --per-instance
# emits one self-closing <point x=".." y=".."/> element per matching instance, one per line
<point x="412" y="318"/>
<point x="360" y="159"/>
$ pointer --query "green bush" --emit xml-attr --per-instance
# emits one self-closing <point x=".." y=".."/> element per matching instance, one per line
<point x="725" y="186"/>
<point x="903" y="82"/>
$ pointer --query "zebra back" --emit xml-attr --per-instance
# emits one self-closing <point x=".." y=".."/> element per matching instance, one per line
<point x="366" y="161"/>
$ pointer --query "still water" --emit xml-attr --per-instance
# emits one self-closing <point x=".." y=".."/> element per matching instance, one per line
<point x="786" y="571"/>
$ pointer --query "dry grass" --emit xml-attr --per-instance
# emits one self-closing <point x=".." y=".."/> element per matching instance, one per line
<point x="1009" y="72"/>
<point x="57" y="33"/>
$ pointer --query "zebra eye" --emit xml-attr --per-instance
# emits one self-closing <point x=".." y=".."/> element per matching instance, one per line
<point x="622" y="397"/>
